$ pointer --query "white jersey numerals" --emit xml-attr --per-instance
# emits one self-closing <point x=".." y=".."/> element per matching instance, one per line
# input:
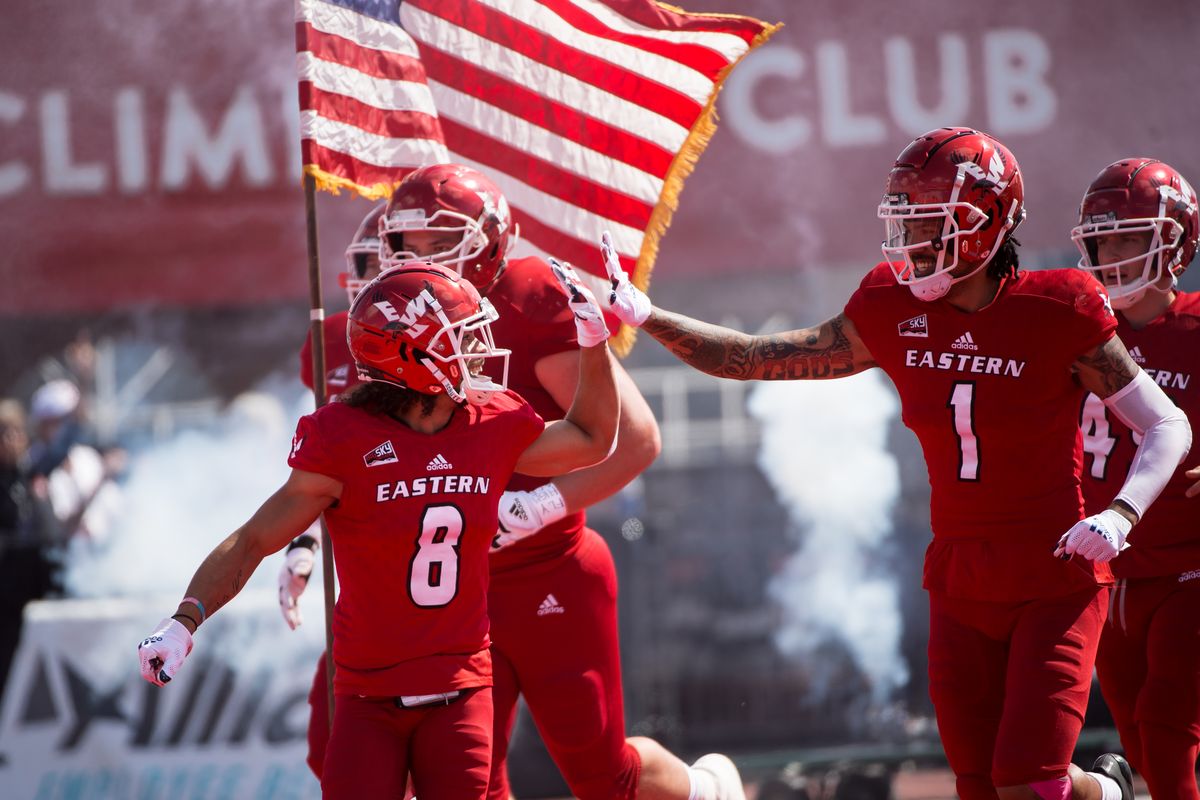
<point x="962" y="402"/>
<point x="1098" y="439"/>
<point x="433" y="572"/>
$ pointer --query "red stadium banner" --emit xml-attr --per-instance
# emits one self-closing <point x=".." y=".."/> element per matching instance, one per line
<point x="152" y="159"/>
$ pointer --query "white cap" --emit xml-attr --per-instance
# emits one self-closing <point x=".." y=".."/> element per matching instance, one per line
<point x="54" y="400"/>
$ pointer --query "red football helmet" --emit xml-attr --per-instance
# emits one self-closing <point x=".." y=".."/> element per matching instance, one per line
<point x="426" y="328"/>
<point x="964" y="189"/>
<point x="455" y="198"/>
<point x="1138" y="196"/>
<point x="362" y="255"/>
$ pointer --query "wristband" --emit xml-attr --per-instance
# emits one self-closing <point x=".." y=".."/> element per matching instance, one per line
<point x="197" y="604"/>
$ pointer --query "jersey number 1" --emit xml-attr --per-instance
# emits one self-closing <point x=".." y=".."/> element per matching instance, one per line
<point x="962" y="402"/>
<point x="433" y="571"/>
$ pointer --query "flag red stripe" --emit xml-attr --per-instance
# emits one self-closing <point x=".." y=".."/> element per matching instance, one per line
<point x="659" y="17"/>
<point x="375" y="63"/>
<point x="546" y="177"/>
<point x="700" y="58"/>
<point x="349" y="167"/>
<point x="584" y="255"/>
<point x="348" y="110"/>
<point x="562" y="120"/>
<point x="582" y="65"/>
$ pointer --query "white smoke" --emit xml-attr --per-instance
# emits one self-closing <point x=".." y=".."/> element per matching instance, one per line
<point x="187" y="493"/>
<point x="824" y="451"/>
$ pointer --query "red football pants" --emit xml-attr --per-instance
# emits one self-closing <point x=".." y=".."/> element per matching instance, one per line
<point x="374" y="745"/>
<point x="1149" y="665"/>
<point x="554" y="640"/>
<point x="1009" y="683"/>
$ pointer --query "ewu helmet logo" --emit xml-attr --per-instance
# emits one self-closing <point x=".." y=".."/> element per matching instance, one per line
<point x="917" y="326"/>
<point x="383" y="454"/>
<point x="412" y="312"/>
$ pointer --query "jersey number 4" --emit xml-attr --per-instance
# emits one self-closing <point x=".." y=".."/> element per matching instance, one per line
<point x="433" y="571"/>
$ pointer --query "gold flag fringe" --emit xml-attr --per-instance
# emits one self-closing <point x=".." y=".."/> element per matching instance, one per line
<point x="681" y="167"/>
<point x="334" y="184"/>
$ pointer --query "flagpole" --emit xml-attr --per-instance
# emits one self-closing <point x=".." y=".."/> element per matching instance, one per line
<point x="316" y="333"/>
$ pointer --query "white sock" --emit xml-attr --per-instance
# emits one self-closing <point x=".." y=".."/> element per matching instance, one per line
<point x="704" y="785"/>
<point x="1108" y="787"/>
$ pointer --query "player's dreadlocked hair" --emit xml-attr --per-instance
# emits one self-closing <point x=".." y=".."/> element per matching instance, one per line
<point x="1006" y="263"/>
<point x="388" y="399"/>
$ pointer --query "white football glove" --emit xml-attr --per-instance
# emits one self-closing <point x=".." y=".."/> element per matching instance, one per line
<point x="629" y="303"/>
<point x="523" y="514"/>
<point x="162" y="653"/>
<point x="1099" y="538"/>
<point x="293" y="579"/>
<point x="590" y="327"/>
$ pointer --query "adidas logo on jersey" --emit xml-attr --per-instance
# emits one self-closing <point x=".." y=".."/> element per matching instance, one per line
<point x="438" y="462"/>
<point x="964" y="342"/>
<point x="917" y="326"/>
<point x="550" y="606"/>
<point x="383" y="454"/>
<point x="1136" y="355"/>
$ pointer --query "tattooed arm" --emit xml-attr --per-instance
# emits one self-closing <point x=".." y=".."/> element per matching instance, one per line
<point x="1106" y="369"/>
<point x="832" y="349"/>
<point x="285" y="515"/>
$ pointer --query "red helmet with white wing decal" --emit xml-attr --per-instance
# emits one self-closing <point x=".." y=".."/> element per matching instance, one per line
<point x="426" y="328"/>
<point x="362" y="254"/>
<point x="953" y="197"/>
<point x="453" y="199"/>
<point x="1144" y="198"/>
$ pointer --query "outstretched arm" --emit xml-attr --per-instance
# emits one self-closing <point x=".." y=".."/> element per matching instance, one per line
<point x="832" y="349"/>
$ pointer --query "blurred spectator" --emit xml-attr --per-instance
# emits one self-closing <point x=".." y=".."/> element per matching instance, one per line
<point x="80" y="485"/>
<point x="27" y="533"/>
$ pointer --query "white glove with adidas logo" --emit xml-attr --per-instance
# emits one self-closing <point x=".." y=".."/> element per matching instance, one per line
<point x="297" y="568"/>
<point x="1099" y="538"/>
<point x="161" y="654"/>
<point x="590" y="327"/>
<point x="523" y="514"/>
<point x="629" y="303"/>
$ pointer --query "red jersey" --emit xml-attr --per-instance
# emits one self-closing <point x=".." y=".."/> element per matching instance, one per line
<point x="535" y="322"/>
<point x="340" y="374"/>
<point x="412" y="532"/>
<point x="1167" y="539"/>
<point x="991" y="397"/>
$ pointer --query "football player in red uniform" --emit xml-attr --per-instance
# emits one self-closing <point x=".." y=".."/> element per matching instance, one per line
<point x="408" y="470"/>
<point x="1138" y="231"/>
<point x="989" y="364"/>
<point x="558" y="587"/>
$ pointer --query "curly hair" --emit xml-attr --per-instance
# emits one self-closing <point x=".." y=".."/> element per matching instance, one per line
<point x="1007" y="262"/>
<point x="388" y="399"/>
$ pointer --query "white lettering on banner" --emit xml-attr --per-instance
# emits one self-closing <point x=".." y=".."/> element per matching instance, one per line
<point x="776" y="136"/>
<point x="78" y="721"/>
<point x="130" y="131"/>
<point x="235" y="146"/>
<point x="1017" y="95"/>
<point x="904" y="100"/>
<point x="59" y="171"/>
<point x="1019" y="100"/>
<point x="239" y="138"/>
<point x="13" y="174"/>
<point x="840" y="125"/>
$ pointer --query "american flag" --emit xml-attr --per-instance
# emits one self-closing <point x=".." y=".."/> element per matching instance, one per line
<point x="588" y="114"/>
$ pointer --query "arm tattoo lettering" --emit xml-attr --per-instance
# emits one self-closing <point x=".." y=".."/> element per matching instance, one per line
<point x="824" y="352"/>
